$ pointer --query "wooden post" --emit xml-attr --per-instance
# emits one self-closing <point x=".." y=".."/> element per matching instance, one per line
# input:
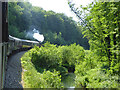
<point x="4" y="22"/>
<point x="0" y="22"/>
<point x="0" y="45"/>
<point x="3" y="40"/>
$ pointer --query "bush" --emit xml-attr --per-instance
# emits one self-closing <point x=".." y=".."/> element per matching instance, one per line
<point x="93" y="72"/>
<point x="49" y="57"/>
<point x="95" y="78"/>
<point x="44" y="66"/>
<point x="46" y="57"/>
<point x="34" y="79"/>
<point x="53" y="56"/>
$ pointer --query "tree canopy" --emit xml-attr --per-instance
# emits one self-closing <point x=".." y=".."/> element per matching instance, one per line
<point x="56" y="27"/>
<point x="101" y="25"/>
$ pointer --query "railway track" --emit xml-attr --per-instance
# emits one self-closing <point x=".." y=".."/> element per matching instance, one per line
<point x="13" y="76"/>
<point x="13" y="46"/>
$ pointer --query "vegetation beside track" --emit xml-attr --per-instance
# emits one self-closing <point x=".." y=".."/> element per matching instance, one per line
<point x="44" y="67"/>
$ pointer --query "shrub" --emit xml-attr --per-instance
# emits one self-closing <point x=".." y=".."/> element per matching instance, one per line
<point x="34" y="79"/>
<point x="95" y="78"/>
<point x="53" y="56"/>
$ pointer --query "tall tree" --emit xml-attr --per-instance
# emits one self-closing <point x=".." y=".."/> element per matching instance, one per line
<point x="101" y="25"/>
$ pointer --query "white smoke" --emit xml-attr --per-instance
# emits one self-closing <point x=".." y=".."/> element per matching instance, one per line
<point x="38" y="36"/>
<point x="35" y="31"/>
<point x="29" y="35"/>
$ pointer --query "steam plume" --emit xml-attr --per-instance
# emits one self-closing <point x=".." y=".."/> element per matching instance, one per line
<point x="38" y="36"/>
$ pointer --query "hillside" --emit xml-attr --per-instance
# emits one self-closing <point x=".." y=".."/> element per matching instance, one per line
<point x="57" y="28"/>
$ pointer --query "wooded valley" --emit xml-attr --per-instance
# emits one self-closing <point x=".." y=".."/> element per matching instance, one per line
<point x="90" y="48"/>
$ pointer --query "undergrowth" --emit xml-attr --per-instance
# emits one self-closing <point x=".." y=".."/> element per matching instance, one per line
<point x="44" y="66"/>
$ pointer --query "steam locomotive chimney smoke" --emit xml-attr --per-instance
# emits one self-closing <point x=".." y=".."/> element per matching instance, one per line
<point x="38" y="36"/>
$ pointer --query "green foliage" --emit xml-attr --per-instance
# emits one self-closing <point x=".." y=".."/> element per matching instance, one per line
<point x="68" y="80"/>
<point x="52" y="56"/>
<point x="19" y="18"/>
<point x="15" y="32"/>
<point x="94" y="68"/>
<point x="92" y="72"/>
<point x="56" y="27"/>
<point x="55" y="59"/>
<point x="95" y="78"/>
<point x="55" y="38"/>
<point x="100" y="26"/>
<point x="99" y="23"/>
<point x="34" y="79"/>
<point x="62" y="69"/>
<point x="50" y="61"/>
<point x="47" y="56"/>
<point x="72" y="54"/>
<point x="89" y="62"/>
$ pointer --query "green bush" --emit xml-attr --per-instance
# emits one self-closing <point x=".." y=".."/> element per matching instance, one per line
<point x="95" y="78"/>
<point x="46" y="57"/>
<point x="53" y="56"/>
<point x="62" y="69"/>
<point x="93" y="72"/>
<point x="34" y="79"/>
<point x="44" y="65"/>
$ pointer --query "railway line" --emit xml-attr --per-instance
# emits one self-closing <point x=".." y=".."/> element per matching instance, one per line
<point x="14" y="71"/>
<point x="13" y="46"/>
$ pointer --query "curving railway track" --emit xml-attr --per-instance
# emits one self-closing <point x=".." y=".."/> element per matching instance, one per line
<point x="11" y="67"/>
<point x="13" y="76"/>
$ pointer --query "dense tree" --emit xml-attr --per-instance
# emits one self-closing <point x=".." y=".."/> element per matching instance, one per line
<point x="100" y="23"/>
<point x="19" y="18"/>
<point x="23" y="18"/>
<point x="101" y="27"/>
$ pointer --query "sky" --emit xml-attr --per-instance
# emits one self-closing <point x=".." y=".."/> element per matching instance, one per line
<point x="59" y="6"/>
